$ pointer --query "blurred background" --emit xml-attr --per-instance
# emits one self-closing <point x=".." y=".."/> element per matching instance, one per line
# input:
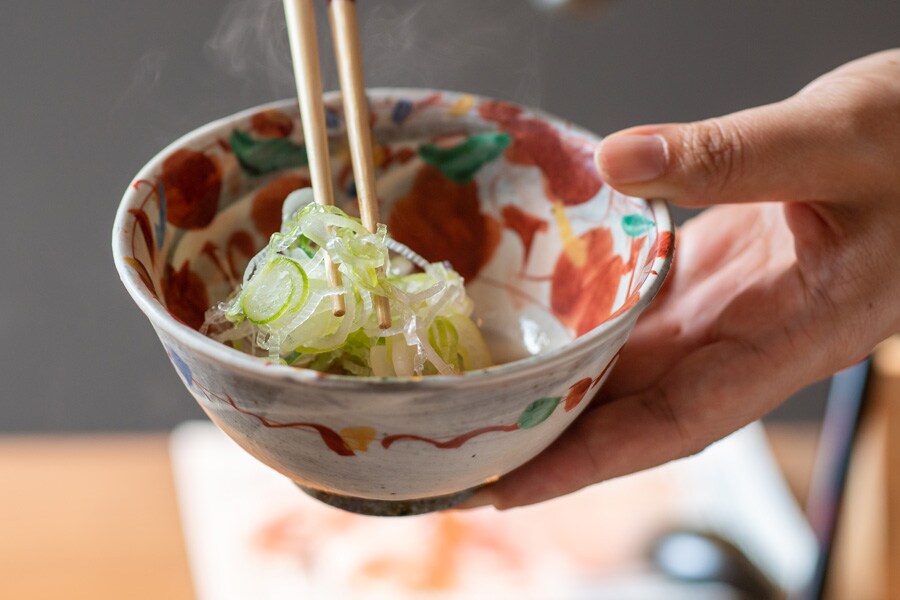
<point x="92" y="89"/>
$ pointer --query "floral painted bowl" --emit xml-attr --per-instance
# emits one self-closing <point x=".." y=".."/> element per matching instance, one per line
<point x="558" y="264"/>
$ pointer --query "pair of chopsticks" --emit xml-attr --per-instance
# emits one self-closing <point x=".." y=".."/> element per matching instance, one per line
<point x="301" y="26"/>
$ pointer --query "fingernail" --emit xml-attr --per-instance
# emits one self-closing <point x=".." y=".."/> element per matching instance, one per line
<point x="632" y="158"/>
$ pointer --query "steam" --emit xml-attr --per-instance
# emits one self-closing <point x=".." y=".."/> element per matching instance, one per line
<point x="576" y="7"/>
<point x="250" y="42"/>
<point x="493" y="48"/>
<point x="487" y="47"/>
<point x="146" y="75"/>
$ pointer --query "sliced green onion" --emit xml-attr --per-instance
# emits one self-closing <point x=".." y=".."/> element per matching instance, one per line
<point x="282" y="309"/>
<point x="280" y="285"/>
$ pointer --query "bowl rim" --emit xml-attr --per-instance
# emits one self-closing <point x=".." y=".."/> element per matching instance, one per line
<point x="195" y="341"/>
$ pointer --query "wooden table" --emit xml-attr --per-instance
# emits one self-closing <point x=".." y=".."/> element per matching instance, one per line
<point x="95" y="517"/>
<point x="90" y="517"/>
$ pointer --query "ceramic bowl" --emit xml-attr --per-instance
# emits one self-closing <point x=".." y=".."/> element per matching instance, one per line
<point x="559" y="265"/>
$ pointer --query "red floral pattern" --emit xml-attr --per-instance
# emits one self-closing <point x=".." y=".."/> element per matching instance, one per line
<point x="582" y="296"/>
<point x="272" y="123"/>
<point x="192" y="182"/>
<point x="567" y="166"/>
<point x="442" y="220"/>
<point x="143" y="223"/>
<point x="576" y="393"/>
<point x="266" y="208"/>
<point x="241" y="248"/>
<point x="524" y="224"/>
<point x="185" y="295"/>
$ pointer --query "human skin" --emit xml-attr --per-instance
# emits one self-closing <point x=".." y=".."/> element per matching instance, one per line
<point x="792" y="274"/>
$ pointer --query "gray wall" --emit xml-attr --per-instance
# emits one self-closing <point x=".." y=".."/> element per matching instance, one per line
<point x="92" y="89"/>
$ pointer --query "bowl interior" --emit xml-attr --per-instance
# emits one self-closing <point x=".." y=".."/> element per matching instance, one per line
<point x="511" y="198"/>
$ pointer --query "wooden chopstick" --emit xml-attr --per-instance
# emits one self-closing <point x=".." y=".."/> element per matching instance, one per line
<point x="345" y="31"/>
<point x="301" y="26"/>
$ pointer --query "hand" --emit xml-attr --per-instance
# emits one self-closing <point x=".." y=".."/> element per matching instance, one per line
<point x="792" y="277"/>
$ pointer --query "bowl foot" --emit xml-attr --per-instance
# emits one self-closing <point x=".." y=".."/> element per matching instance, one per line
<point x="389" y="508"/>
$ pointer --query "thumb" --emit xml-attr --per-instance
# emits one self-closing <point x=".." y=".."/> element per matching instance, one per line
<point x="786" y="151"/>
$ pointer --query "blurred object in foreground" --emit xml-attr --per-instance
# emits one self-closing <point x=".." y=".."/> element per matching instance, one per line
<point x="866" y="560"/>
<point x="251" y="533"/>
<point x="698" y="556"/>
<point x="847" y="401"/>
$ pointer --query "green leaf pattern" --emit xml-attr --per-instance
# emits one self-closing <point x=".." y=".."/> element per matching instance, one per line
<point x="537" y="412"/>
<point x="636" y="225"/>
<point x="461" y="162"/>
<point x="261" y="156"/>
